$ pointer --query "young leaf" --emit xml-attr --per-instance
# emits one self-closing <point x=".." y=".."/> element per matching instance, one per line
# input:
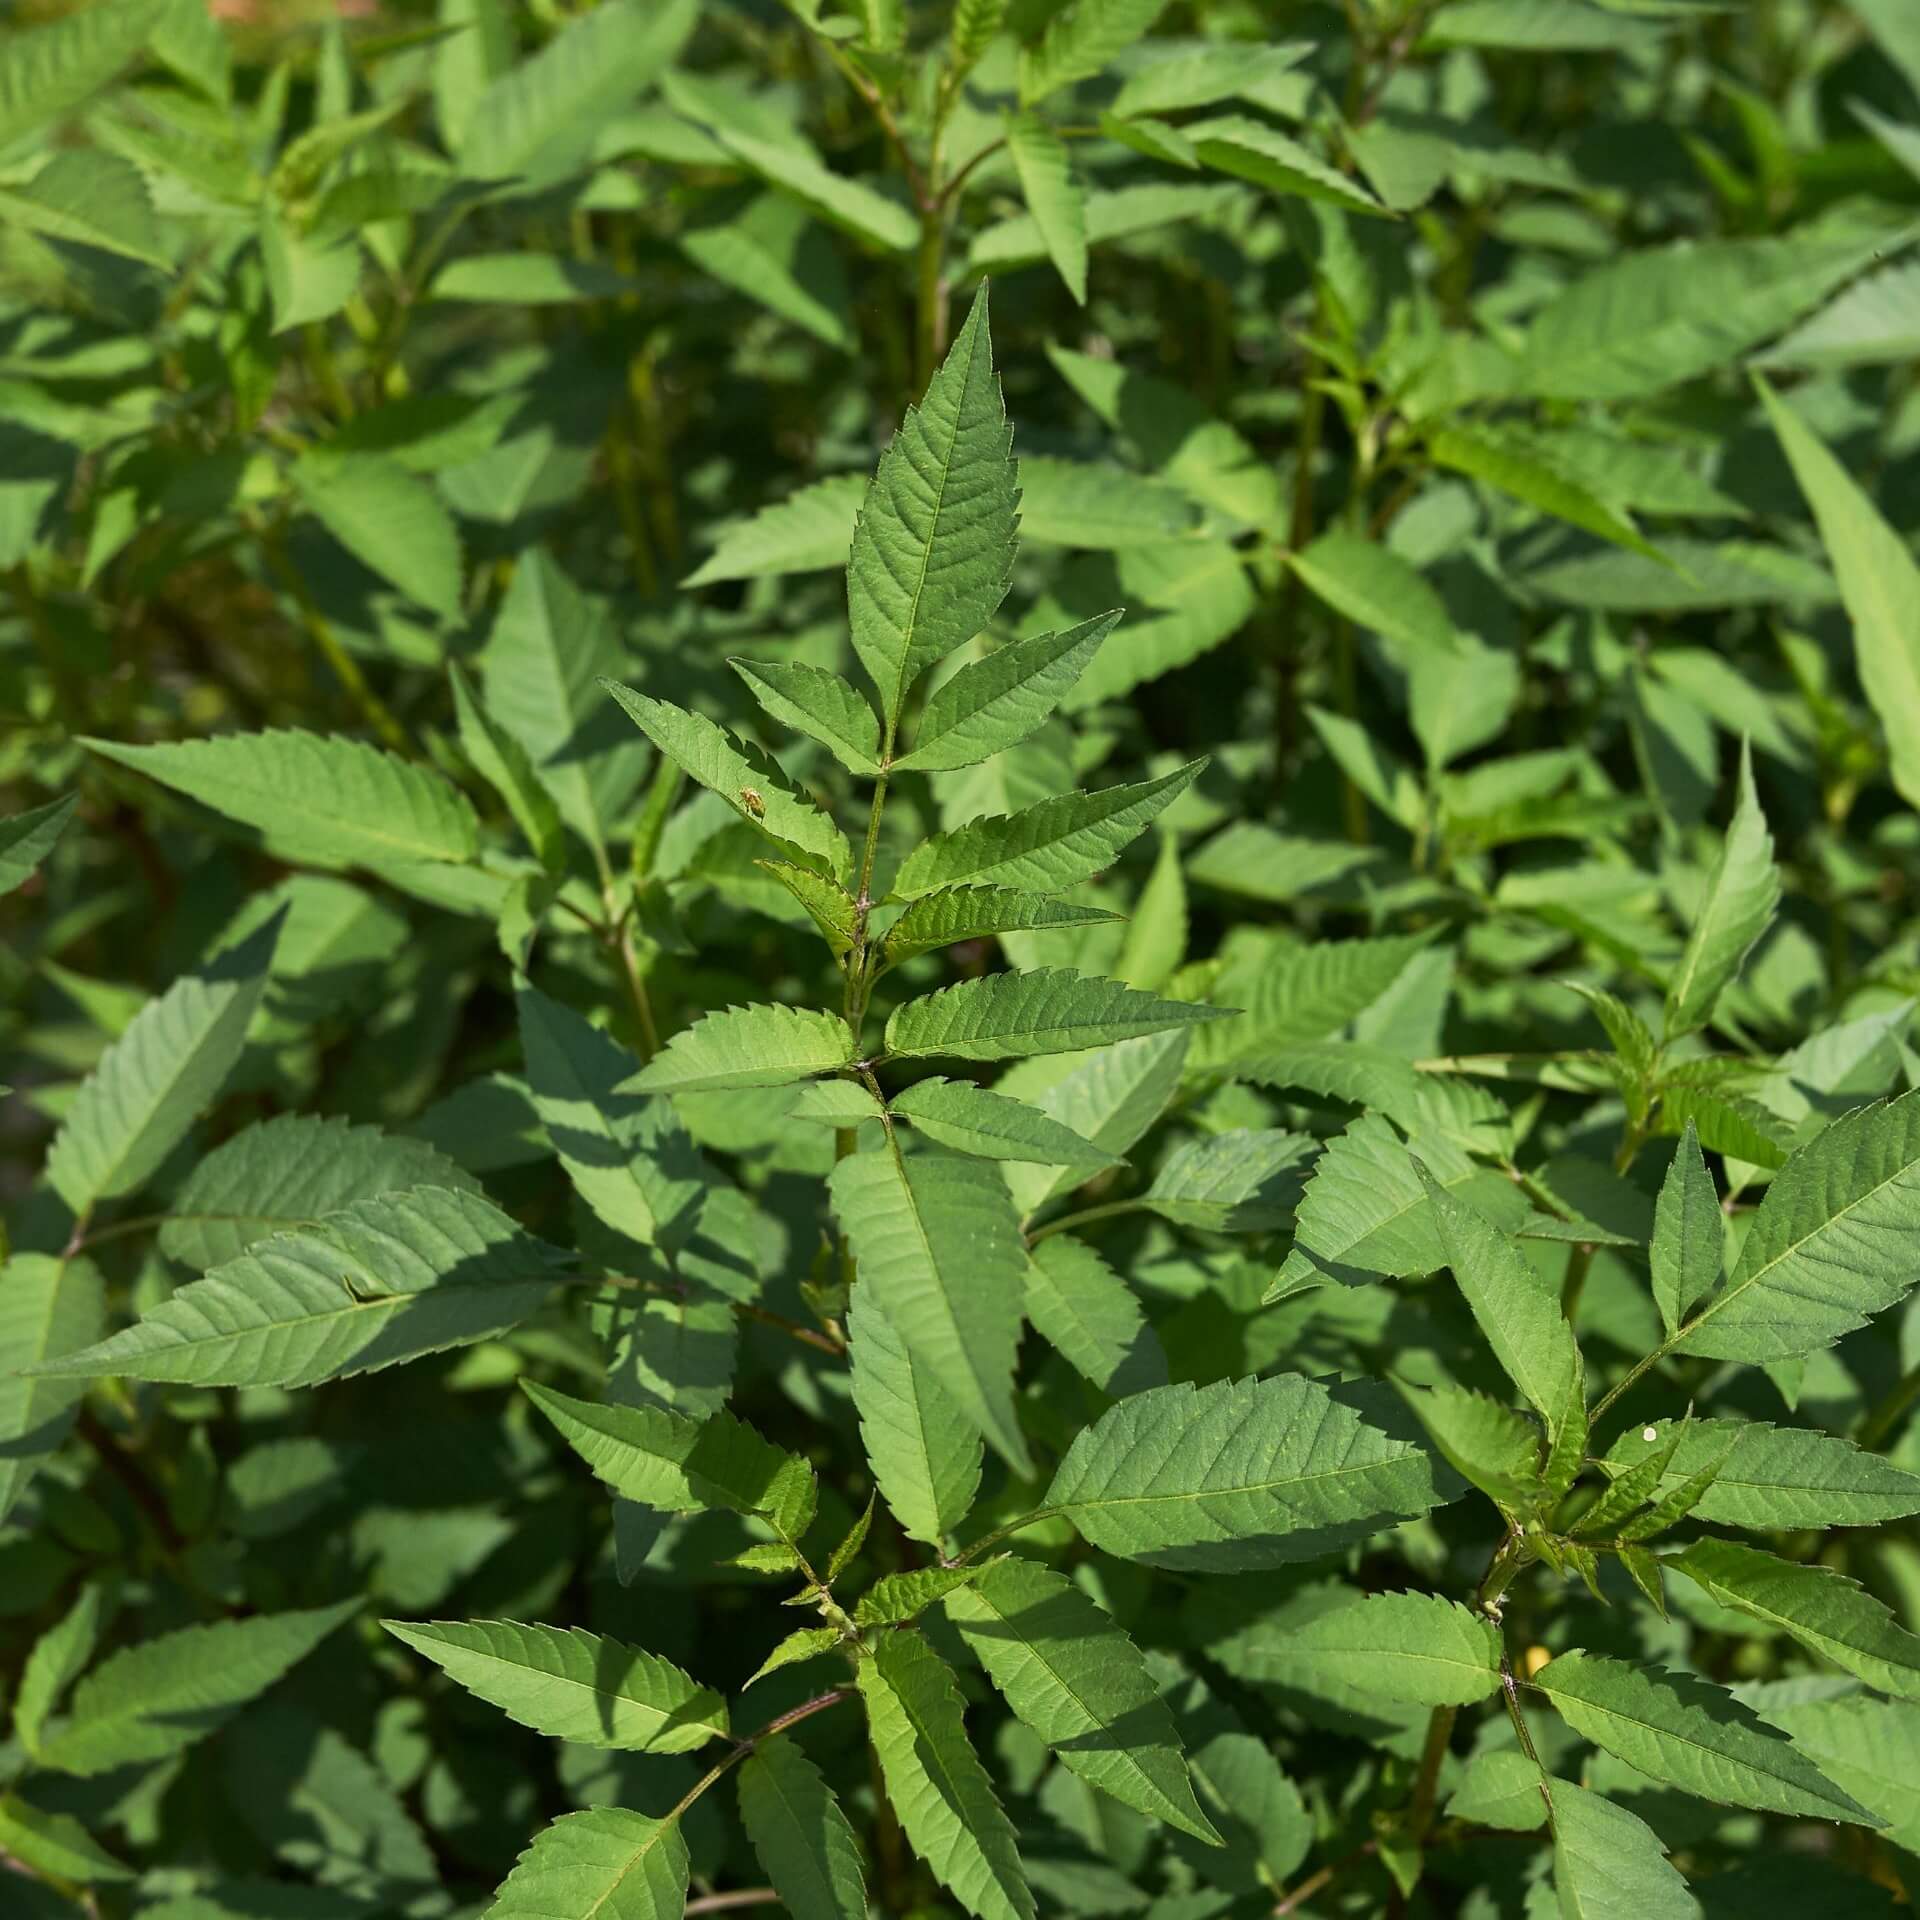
<point x="1047" y="847"/>
<point x="56" y="1845"/>
<point x="807" y="532"/>
<point x="748" y="1047"/>
<point x="825" y="902"/>
<point x="1090" y="1316"/>
<point x="969" y="1119"/>
<point x="607" y="1863"/>
<point x="1237" y="1476"/>
<point x="379" y="1282"/>
<point x="1073" y="1675"/>
<point x="1239" y="1182"/>
<point x="1690" y="1735"/>
<point x="46" y="71"/>
<point x="819" y="704"/>
<point x="937" y="1239"/>
<point x="1689" y="1234"/>
<point x="971" y="913"/>
<point x="898" y="1597"/>
<point x="1608" y="1864"/>
<point x="835" y="1103"/>
<point x="1080" y="42"/>
<point x="1250" y="149"/>
<point x="1418" y="1647"/>
<point x="994" y="703"/>
<point x="48" y="1308"/>
<point x="152" y="1083"/>
<point x="1535" y="480"/>
<point x="1003" y="1016"/>
<point x="1736" y="909"/>
<point x="58" y="1658"/>
<point x="938" y="1788"/>
<point x="1373" y="586"/>
<point x="1057" y="201"/>
<point x="503" y="762"/>
<point x="803" y="1840"/>
<point x="572" y="1685"/>
<point x="1482" y="1441"/>
<point x="27" y="838"/>
<point x="933" y="549"/>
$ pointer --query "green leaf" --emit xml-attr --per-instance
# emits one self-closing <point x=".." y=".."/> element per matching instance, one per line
<point x="934" y="546"/>
<point x="379" y="1282"/>
<point x="1004" y="1016"/>
<point x="1835" y="1616"/>
<point x="1879" y="581"/>
<point x="805" y="1643"/>
<point x="1533" y="479"/>
<point x="1055" y="198"/>
<point x="1239" y="1182"/>
<point x="1690" y="1735"/>
<point x="819" y="704"/>
<point x="936" y="1237"/>
<point x="969" y="1119"/>
<point x="924" y="1455"/>
<point x="1417" y="1647"/>
<point x="56" y="1845"/>
<point x="825" y="902"/>
<point x="665" y="1460"/>
<point x="1073" y="1675"/>
<point x="153" y="1700"/>
<point x="286" y="1173"/>
<point x="807" y="532"/>
<point x="1377" y="589"/>
<point x="1824" y="1252"/>
<point x="791" y="165"/>
<point x="996" y="702"/>
<point x="47" y="71"/>
<point x="503" y="762"/>
<point x="1305" y="993"/>
<point x="59" y="1657"/>
<point x="1090" y="1316"/>
<point x="942" y="919"/>
<point x="835" y="1103"/>
<point x="1689" y="1234"/>
<point x="748" y="1047"/>
<point x="572" y="1685"/>
<point x="1869" y="1747"/>
<point x="899" y="1597"/>
<point x="27" y="838"/>
<point x="1250" y="149"/>
<point x="743" y="777"/>
<point x="1482" y="1441"/>
<point x="1608" y="1864"/>
<point x="326" y="802"/>
<point x="1237" y="1476"/>
<point x="154" y="1081"/>
<point x="939" y="1790"/>
<point x="1736" y="909"/>
<point x="1077" y="503"/>
<point x="803" y="1840"/>
<point x="88" y="199"/>
<point x="1500" y="1788"/>
<point x="48" y="1309"/>
<point x="604" y="1864"/>
<point x="772" y="249"/>
<point x="1081" y="40"/>
<point x="390" y="521"/>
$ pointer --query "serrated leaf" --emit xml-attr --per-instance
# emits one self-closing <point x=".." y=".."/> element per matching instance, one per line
<point x="572" y="1685"/>
<point x="835" y="1103"/>
<point x="1305" y="993"/>
<point x="1076" y="1678"/>
<point x="48" y="1308"/>
<point x="503" y="762"/>
<point x="604" y="1864"/>
<point x="994" y="703"/>
<point x="925" y="1456"/>
<point x="1417" y="1647"/>
<point x="59" y="1657"/>
<point x="1237" y="1476"/>
<point x="1608" y="1864"/>
<point x="1375" y="587"/>
<point x="1046" y="848"/>
<point x="819" y="704"/>
<point x="390" y="520"/>
<point x="1054" y="197"/>
<point x="934" y="545"/>
<point x="327" y="802"/>
<point x="804" y="1842"/>
<point x="898" y="1597"/>
<point x="1245" y="1181"/>
<point x="807" y="532"/>
<point x="1091" y="1318"/>
<point x="55" y="1845"/>
<point x="1006" y="1016"/>
<point x="1824" y="1251"/>
<point x="742" y="776"/>
<point x="47" y="71"/>
<point x="825" y="902"/>
<point x="1532" y="478"/>
<point x="1080" y="41"/>
<point x="1689" y="1234"/>
<point x="1742" y="894"/>
<point x="1103" y="507"/>
<point x="152" y="1084"/>
<point x="154" y="1699"/>
<point x="806" y="1643"/>
<point x="941" y="1793"/>
<point x="1699" y="1738"/>
<point x="27" y="838"/>
<point x="377" y="1283"/>
<point x="937" y="1239"/>
<point x="792" y="167"/>
<point x="1500" y="1788"/>
<point x="1482" y="1441"/>
<point x="664" y="1460"/>
<point x="748" y="1047"/>
<point x="1250" y="149"/>
<point x="969" y="1119"/>
<point x="971" y="913"/>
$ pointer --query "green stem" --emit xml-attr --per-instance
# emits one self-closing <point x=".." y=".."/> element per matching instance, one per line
<point x="930" y="331"/>
<point x="859" y="970"/>
<point x="994" y="1538"/>
<point x="1886" y="1416"/>
<point x="1067" y="1221"/>
<point x="742" y="1749"/>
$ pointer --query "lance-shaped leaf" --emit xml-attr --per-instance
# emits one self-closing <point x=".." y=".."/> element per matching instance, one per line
<point x="1608" y="1864"/>
<point x="1500" y="1788"/>
<point x="1775" y="1478"/>
<point x="377" y="1283"/>
<point x="742" y="776"/>
<point x="154" y="1699"/>
<point x="807" y="532"/>
<point x="1879" y="582"/>
<point x="1237" y="1476"/>
<point x="607" y="1863"/>
<point x="835" y="1103"/>
<point x="1003" y="1016"/>
<point x="1736" y="909"/>
<point x="938" y="1788"/>
<point x="969" y="1119"/>
<point x="1418" y="1647"/>
<point x="1482" y="1441"/>
<point x="1045" y="848"/>
<point x="1519" y="469"/>
<point x="1250" y="149"/>
<point x="1374" y="586"/>
<point x="55" y="1845"/>
<point x="970" y="913"/>
<point x="996" y="702"/>
<point x="925" y="1457"/>
<point x="48" y="1308"/>
<point x="1055" y="198"/>
<point x="1075" y="1677"/>
<point x="153" y="1082"/>
<point x="1869" y="1747"/>
<point x="27" y="838"/>
<point x="1689" y="1233"/>
<point x="748" y="1047"/>
<point x="1246" y="1181"/>
<point x="937" y="1239"/>
<point x="933" y="549"/>
<point x="504" y="763"/>
<point x="288" y="1172"/>
<point x="59" y="1657"/>
<point x="1820" y="1608"/>
<point x="824" y="901"/>
<point x="665" y="1460"/>
<point x="1693" y="1736"/>
<point x="327" y="802"/>
<point x="572" y="1685"/>
<point x="1833" y="1243"/>
<point x="898" y="1597"/>
<point x="48" y="70"/>
<point x="1091" y="1317"/>
<point x="802" y="1838"/>
<point x="819" y="704"/>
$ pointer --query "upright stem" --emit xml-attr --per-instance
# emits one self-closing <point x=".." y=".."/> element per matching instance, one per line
<point x="859" y="972"/>
<point x="930" y="334"/>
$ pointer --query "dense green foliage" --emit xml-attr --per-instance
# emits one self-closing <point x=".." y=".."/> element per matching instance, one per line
<point x="837" y="1092"/>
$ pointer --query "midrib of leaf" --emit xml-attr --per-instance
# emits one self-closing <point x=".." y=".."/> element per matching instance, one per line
<point x="815" y="1875"/>
<point x="132" y="1139"/>
<point x="1668" y="1733"/>
<point x="566" y="1680"/>
<point x="1696" y="949"/>
<point x="639" y="1853"/>
<point x="1214" y="1493"/>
